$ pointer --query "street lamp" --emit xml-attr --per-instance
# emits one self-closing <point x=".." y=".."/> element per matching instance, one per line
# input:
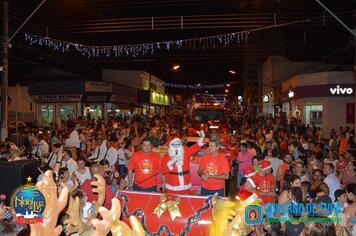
<point x="174" y="68"/>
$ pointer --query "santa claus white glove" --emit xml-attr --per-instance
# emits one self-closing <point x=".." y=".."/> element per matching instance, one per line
<point x="171" y="162"/>
<point x="201" y="138"/>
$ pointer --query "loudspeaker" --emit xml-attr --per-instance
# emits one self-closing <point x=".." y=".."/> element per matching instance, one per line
<point x="15" y="173"/>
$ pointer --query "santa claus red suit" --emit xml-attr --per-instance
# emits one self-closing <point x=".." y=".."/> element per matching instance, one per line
<point x="246" y="195"/>
<point x="176" y="164"/>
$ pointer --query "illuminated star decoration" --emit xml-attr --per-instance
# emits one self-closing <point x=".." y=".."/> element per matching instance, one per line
<point x="29" y="179"/>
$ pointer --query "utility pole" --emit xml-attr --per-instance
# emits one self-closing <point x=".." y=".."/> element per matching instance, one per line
<point x="5" y="64"/>
<point x="5" y="70"/>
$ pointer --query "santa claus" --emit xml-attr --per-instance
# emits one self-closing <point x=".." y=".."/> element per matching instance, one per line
<point x="246" y="195"/>
<point x="176" y="164"/>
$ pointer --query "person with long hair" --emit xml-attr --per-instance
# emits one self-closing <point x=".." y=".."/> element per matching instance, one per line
<point x="295" y="181"/>
<point x="319" y="229"/>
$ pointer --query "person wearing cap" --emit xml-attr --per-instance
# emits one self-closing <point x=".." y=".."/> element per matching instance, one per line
<point x="146" y="165"/>
<point x="266" y="183"/>
<point x="176" y="166"/>
<point x="246" y="195"/>
<point x="213" y="170"/>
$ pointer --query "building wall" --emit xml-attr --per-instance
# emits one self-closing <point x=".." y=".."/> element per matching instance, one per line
<point x="129" y="78"/>
<point x="21" y="106"/>
<point x="277" y="69"/>
<point x="334" y="110"/>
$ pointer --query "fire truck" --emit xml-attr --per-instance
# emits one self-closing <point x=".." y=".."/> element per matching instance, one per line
<point x="210" y="117"/>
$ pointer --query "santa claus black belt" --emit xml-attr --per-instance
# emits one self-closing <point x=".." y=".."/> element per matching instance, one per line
<point x="179" y="173"/>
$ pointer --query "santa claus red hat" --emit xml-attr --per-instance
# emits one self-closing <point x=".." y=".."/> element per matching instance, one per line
<point x="174" y="140"/>
<point x="250" y="180"/>
<point x="264" y="165"/>
<point x="246" y="198"/>
<point x="249" y="171"/>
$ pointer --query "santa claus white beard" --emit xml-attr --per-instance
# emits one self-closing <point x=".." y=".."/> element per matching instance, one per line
<point x="177" y="153"/>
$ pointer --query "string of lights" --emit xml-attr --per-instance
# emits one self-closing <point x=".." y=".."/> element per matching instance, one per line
<point x="133" y="49"/>
<point x="188" y="86"/>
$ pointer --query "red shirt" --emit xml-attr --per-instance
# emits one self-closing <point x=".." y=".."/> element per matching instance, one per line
<point x="86" y="187"/>
<point x="283" y="167"/>
<point x="214" y="166"/>
<point x="146" y="167"/>
<point x="264" y="184"/>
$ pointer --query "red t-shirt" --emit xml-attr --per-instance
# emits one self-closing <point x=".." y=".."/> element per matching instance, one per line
<point x="283" y="167"/>
<point x="146" y="167"/>
<point x="214" y="166"/>
<point x="264" y="184"/>
<point x="86" y="187"/>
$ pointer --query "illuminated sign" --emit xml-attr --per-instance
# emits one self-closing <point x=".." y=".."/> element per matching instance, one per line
<point x="339" y="90"/>
<point x="266" y="98"/>
<point x="290" y="94"/>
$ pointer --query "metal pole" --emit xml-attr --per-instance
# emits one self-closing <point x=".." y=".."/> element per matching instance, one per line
<point x="5" y="72"/>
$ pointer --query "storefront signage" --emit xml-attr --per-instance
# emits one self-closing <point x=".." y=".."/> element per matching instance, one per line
<point x="57" y="98"/>
<point x="291" y="94"/>
<point x="97" y="86"/>
<point x="266" y="98"/>
<point x="338" y="90"/>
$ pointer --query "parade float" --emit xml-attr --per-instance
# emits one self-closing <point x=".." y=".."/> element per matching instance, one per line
<point x="139" y="213"/>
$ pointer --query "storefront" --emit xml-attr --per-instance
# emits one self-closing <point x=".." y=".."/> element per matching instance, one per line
<point x="159" y="103"/>
<point x="123" y="101"/>
<point x="60" y="101"/>
<point x="324" y="99"/>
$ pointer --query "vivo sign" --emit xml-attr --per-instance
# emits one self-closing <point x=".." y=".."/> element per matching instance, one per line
<point x="339" y="90"/>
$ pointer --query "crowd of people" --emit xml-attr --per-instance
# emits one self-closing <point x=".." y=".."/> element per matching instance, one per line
<point x="275" y="160"/>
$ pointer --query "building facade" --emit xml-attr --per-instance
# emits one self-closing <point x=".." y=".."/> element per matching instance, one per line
<point x="325" y="99"/>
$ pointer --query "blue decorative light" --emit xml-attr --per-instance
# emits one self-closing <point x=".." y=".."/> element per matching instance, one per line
<point x="132" y="49"/>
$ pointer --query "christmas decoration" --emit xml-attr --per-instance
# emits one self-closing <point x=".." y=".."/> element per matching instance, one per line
<point x="188" y="86"/>
<point x="171" y="205"/>
<point x="135" y="49"/>
<point x="195" y="211"/>
<point x="227" y="218"/>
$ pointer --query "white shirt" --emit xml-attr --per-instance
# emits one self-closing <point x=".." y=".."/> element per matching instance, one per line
<point x="121" y="156"/>
<point x="83" y="177"/>
<point x="71" y="165"/>
<point x="111" y="156"/>
<point x="333" y="183"/>
<point x="51" y="159"/>
<point x="98" y="150"/>
<point x="41" y="148"/>
<point x="73" y="139"/>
